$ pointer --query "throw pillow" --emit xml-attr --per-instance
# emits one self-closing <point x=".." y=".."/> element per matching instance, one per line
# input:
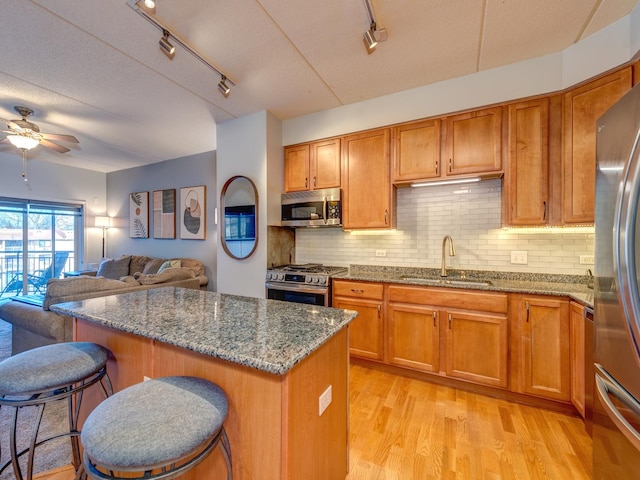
<point x="152" y="266"/>
<point x="168" y="275"/>
<point x="138" y="263"/>
<point x="114" y="268"/>
<point x="169" y="264"/>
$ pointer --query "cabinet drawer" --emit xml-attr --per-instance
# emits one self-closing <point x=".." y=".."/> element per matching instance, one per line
<point x="357" y="289"/>
<point x="452" y="298"/>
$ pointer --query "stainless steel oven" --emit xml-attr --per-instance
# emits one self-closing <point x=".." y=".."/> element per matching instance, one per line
<point x="309" y="283"/>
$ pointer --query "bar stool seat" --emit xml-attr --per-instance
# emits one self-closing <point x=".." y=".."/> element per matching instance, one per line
<point x="45" y="374"/>
<point x="169" y="424"/>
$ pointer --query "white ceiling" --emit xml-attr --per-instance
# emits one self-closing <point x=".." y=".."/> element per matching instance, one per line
<point x="93" y="68"/>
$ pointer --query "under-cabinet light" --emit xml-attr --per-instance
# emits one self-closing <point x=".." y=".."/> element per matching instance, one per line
<point x="446" y="182"/>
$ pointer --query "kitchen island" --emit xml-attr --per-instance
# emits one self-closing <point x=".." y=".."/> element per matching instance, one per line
<point x="273" y="359"/>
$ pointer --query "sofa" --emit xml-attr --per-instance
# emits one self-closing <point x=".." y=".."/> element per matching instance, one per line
<point x="35" y="325"/>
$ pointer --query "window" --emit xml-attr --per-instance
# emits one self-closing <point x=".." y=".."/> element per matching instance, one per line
<point x="38" y="240"/>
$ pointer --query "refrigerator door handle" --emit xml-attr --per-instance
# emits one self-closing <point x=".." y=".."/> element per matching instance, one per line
<point x="606" y="386"/>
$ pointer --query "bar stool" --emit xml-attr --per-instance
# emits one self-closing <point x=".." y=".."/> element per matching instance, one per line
<point x="158" y="429"/>
<point x="37" y="377"/>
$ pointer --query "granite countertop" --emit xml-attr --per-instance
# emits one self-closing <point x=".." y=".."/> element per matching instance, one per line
<point x="267" y="335"/>
<point x="573" y="286"/>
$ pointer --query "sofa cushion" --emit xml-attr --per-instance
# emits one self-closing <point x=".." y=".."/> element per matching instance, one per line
<point x="138" y="263"/>
<point x="175" y="263"/>
<point x="114" y="268"/>
<point x="58" y="289"/>
<point x="193" y="264"/>
<point x="167" y="275"/>
<point x="152" y="266"/>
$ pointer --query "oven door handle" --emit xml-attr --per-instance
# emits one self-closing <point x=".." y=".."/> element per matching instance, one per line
<point x="297" y="288"/>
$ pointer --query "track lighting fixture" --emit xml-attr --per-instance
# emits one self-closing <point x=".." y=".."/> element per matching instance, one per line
<point x="223" y="87"/>
<point x="374" y="35"/>
<point x="369" y="37"/>
<point x="167" y="48"/>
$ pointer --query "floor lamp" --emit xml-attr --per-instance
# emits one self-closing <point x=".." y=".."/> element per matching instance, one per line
<point x="104" y="223"/>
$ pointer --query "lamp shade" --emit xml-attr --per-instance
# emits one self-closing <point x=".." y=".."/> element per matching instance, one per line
<point x="103" y="222"/>
<point x="22" y="141"/>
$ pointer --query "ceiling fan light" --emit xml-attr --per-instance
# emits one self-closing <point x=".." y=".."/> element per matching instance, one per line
<point x="370" y="41"/>
<point x="167" y="47"/>
<point x="23" y="142"/>
<point x="223" y="87"/>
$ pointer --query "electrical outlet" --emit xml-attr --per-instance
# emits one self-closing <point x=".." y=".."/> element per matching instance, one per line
<point x="381" y="253"/>
<point x="586" y="259"/>
<point x="324" y="400"/>
<point x="519" y="257"/>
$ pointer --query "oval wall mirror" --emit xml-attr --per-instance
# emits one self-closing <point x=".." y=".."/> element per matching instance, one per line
<point x="239" y="217"/>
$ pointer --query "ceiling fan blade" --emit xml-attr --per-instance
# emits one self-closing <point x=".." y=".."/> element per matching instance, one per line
<point x="12" y="125"/>
<point x="53" y="146"/>
<point x="60" y="138"/>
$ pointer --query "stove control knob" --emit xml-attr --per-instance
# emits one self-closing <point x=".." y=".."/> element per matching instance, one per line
<point x="268" y="275"/>
<point x="307" y="279"/>
<point x="323" y="281"/>
<point x="281" y="276"/>
<point x="316" y="280"/>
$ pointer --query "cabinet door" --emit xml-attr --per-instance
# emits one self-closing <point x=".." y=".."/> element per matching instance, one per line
<point x="366" y="330"/>
<point x="582" y="107"/>
<point x="477" y="348"/>
<point x="577" y="356"/>
<point x="527" y="175"/>
<point x="367" y="190"/>
<point x="545" y="362"/>
<point x="414" y="337"/>
<point x="325" y="164"/>
<point x="417" y="151"/>
<point x="474" y="142"/>
<point x="296" y="168"/>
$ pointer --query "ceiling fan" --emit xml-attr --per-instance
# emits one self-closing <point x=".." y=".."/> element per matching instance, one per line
<point x="26" y="135"/>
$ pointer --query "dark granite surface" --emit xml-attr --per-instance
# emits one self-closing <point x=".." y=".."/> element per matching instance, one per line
<point x="268" y="335"/>
<point x="573" y="286"/>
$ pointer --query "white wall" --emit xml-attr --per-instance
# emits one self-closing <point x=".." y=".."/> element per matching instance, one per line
<point x="602" y="51"/>
<point x="59" y="183"/>
<point x="470" y="214"/>
<point x="245" y="148"/>
<point x="189" y="171"/>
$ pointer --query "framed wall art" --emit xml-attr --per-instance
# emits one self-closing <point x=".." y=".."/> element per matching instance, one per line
<point x="193" y="201"/>
<point x="164" y="213"/>
<point x="139" y="215"/>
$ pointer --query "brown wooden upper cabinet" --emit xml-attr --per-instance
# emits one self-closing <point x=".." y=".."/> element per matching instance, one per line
<point x="417" y="151"/>
<point x="312" y="166"/>
<point x="582" y="107"/>
<point x="526" y="182"/>
<point x="367" y="200"/>
<point x="473" y="143"/>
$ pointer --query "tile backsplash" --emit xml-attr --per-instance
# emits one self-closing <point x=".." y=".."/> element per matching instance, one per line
<point x="470" y="213"/>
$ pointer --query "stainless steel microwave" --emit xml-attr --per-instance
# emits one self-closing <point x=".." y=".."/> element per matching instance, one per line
<point x="315" y="208"/>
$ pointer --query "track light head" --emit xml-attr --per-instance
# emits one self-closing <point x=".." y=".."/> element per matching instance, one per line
<point x="167" y="48"/>
<point x="223" y="87"/>
<point x="370" y="40"/>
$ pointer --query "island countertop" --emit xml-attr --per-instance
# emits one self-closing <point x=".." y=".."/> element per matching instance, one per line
<point x="267" y="335"/>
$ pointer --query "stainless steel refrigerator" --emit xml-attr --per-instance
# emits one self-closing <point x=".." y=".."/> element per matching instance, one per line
<point x="616" y="409"/>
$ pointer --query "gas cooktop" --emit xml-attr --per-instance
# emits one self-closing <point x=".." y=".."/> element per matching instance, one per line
<point x="310" y="268"/>
<point x="315" y="273"/>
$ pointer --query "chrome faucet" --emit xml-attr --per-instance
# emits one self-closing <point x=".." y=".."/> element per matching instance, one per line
<point x="452" y="252"/>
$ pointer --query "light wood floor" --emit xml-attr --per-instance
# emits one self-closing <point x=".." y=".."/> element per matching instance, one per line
<point x="405" y="429"/>
<point x="408" y="429"/>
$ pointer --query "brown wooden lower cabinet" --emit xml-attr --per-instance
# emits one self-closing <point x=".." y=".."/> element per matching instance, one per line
<point x="543" y="366"/>
<point x="521" y="344"/>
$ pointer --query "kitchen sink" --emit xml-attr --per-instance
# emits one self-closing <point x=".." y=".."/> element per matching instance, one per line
<point x="444" y="281"/>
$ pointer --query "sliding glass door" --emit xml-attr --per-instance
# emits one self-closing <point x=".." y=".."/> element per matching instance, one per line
<point x="38" y="241"/>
